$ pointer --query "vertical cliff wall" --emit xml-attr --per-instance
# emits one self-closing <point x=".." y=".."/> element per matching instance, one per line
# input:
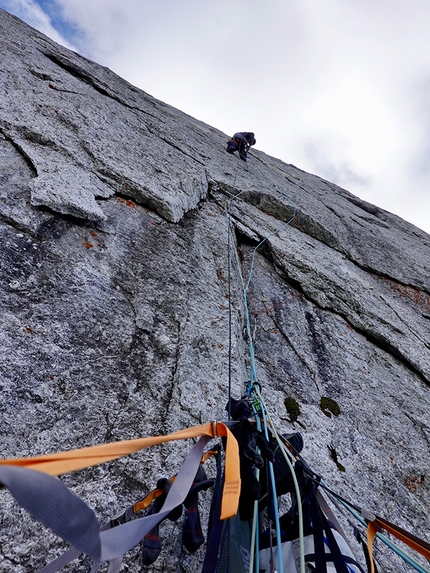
<point x="114" y="299"/>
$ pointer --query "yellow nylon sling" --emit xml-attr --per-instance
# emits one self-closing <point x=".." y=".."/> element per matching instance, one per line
<point x="73" y="460"/>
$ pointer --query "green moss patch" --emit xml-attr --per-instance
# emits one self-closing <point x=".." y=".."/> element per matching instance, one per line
<point x="329" y="406"/>
<point x="292" y="407"/>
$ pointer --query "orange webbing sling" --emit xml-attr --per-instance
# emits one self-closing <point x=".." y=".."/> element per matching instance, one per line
<point x="412" y="541"/>
<point x="72" y="460"/>
<point x="371" y="534"/>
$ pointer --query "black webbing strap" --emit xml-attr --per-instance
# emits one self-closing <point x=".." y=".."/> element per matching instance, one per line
<point x="322" y="527"/>
<point x="325" y="508"/>
<point x="363" y="544"/>
<point x="318" y="535"/>
<point x="215" y="525"/>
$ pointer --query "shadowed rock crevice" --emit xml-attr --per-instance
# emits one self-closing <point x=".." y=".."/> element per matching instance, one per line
<point x="371" y="334"/>
<point x="7" y="137"/>
<point x="176" y="146"/>
<point x="368" y="208"/>
<point x="82" y="75"/>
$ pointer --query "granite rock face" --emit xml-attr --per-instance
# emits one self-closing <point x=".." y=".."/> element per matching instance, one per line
<point x="114" y="300"/>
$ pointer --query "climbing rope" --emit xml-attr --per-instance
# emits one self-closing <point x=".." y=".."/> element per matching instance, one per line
<point x="252" y="389"/>
<point x="229" y="225"/>
<point x="296" y="484"/>
<point x="355" y="511"/>
<point x="274" y="494"/>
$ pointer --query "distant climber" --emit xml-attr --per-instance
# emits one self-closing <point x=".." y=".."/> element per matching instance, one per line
<point x="241" y="142"/>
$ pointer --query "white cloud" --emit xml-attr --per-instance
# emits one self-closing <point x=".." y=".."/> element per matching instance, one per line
<point x="35" y="16"/>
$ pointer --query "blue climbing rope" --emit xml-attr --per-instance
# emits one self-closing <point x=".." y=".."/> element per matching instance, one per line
<point x="253" y="391"/>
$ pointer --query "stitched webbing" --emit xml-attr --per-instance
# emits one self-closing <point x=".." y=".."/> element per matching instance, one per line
<point x="419" y="545"/>
<point x="50" y="501"/>
<point x="72" y="460"/>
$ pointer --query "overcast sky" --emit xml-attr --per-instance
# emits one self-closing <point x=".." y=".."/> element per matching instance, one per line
<point x="340" y="88"/>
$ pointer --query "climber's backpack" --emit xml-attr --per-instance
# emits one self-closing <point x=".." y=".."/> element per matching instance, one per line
<point x="335" y="556"/>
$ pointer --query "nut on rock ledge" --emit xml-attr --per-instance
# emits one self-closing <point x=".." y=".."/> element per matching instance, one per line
<point x="115" y="296"/>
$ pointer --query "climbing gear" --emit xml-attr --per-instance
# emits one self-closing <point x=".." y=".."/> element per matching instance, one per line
<point x="151" y="544"/>
<point x="72" y="460"/>
<point x="241" y="142"/>
<point x="323" y="545"/>
<point x="192" y="535"/>
<point x="47" y="499"/>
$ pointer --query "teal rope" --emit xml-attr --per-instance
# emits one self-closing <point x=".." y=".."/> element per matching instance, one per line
<point x="228" y="211"/>
<point x="265" y="239"/>
<point x="253" y="377"/>
<point x="296" y="488"/>
<point x="274" y="496"/>
<point x="254" y="380"/>
<point x="407" y="558"/>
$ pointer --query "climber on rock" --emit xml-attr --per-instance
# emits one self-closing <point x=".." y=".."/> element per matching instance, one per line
<point x="241" y="142"/>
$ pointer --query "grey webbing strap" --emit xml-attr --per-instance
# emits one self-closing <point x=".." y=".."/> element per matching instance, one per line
<point x="66" y="557"/>
<point x="61" y="561"/>
<point x="117" y="541"/>
<point x="331" y="517"/>
<point x="52" y="503"/>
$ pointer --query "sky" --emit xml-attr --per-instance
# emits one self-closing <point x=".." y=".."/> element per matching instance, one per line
<point x="339" y="88"/>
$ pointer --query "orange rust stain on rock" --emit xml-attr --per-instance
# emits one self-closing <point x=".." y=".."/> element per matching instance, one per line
<point x="420" y="298"/>
<point x="413" y="483"/>
<point x="127" y="202"/>
<point x="88" y="245"/>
